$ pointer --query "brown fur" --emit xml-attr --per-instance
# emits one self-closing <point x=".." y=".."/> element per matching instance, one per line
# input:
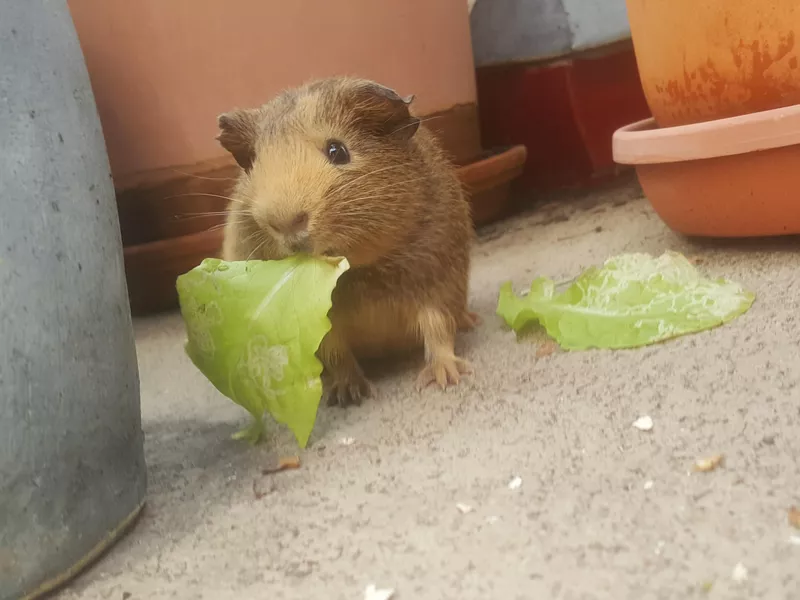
<point x="396" y="212"/>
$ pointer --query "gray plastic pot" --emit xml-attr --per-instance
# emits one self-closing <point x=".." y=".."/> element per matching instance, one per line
<point x="72" y="471"/>
<point x="513" y="31"/>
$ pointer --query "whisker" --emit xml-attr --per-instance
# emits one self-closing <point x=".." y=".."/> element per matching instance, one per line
<point x="425" y="120"/>
<point x="256" y="249"/>
<point x="179" y="172"/>
<point x="228" y="222"/>
<point x="375" y="172"/>
<point x="379" y="192"/>
<point x="235" y="200"/>
<point x="256" y="233"/>
<point x="390" y="184"/>
<point x="187" y="216"/>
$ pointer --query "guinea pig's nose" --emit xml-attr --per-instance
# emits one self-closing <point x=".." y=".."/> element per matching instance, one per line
<point x="296" y="225"/>
<point x="299" y="243"/>
<point x="299" y="223"/>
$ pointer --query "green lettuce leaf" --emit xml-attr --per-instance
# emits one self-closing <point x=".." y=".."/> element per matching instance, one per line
<point x="632" y="300"/>
<point x="253" y="330"/>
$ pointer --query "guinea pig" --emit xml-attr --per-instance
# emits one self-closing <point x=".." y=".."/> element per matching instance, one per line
<point x="342" y="167"/>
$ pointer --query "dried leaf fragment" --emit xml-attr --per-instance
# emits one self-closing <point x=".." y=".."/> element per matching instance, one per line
<point x="546" y="349"/>
<point x="704" y="465"/>
<point x="284" y="463"/>
<point x="794" y="517"/>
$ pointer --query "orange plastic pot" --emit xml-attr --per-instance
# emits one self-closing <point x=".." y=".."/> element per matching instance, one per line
<point x="701" y="61"/>
<point x="736" y="177"/>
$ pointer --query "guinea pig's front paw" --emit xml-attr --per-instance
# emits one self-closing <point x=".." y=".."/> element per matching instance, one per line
<point x="443" y="371"/>
<point x="346" y="390"/>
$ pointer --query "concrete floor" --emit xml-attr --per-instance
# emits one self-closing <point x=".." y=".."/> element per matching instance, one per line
<point x="376" y="498"/>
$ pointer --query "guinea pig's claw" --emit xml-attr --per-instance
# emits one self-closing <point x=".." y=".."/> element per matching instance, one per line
<point x="444" y="372"/>
<point x="349" y="392"/>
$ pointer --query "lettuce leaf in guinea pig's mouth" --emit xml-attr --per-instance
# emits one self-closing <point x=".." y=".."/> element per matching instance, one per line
<point x="253" y="330"/>
<point x="632" y="300"/>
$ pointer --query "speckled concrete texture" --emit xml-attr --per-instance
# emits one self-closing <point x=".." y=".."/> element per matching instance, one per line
<point x="376" y="498"/>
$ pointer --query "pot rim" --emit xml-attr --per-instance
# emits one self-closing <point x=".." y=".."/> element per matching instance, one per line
<point x="643" y="142"/>
<point x="505" y="164"/>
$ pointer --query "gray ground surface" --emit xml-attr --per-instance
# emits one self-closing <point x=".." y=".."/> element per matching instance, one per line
<point x="582" y="525"/>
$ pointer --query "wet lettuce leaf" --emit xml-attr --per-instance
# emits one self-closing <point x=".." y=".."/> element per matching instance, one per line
<point x="253" y="330"/>
<point x="632" y="300"/>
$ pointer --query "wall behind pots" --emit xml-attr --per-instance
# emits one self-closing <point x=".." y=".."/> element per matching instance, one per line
<point x="162" y="71"/>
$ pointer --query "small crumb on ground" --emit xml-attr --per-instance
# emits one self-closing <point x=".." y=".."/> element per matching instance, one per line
<point x="464" y="508"/>
<point x="373" y="593"/>
<point x="644" y="423"/>
<point x="515" y="483"/>
<point x="648" y="485"/>
<point x="739" y="574"/>
<point x="704" y="465"/>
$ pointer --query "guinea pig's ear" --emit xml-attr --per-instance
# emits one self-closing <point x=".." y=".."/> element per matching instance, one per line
<point x="238" y="133"/>
<point x="386" y="110"/>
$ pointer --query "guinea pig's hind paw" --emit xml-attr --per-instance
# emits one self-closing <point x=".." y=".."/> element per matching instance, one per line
<point x="348" y="392"/>
<point x="444" y="372"/>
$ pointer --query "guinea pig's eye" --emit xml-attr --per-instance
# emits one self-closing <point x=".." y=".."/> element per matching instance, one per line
<point x="337" y="152"/>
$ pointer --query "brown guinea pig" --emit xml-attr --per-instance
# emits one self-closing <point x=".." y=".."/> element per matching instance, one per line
<point x="341" y="167"/>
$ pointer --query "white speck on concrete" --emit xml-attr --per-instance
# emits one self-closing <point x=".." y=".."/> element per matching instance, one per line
<point x="373" y="593"/>
<point x="739" y="574"/>
<point x="644" y="423"/>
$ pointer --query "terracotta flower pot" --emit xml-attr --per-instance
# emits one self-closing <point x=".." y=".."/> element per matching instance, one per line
<point x="700" y="61"/>
<point x="162" y="71"/>
<point x="736" y="177"/>
<point x="487" y="182"/>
